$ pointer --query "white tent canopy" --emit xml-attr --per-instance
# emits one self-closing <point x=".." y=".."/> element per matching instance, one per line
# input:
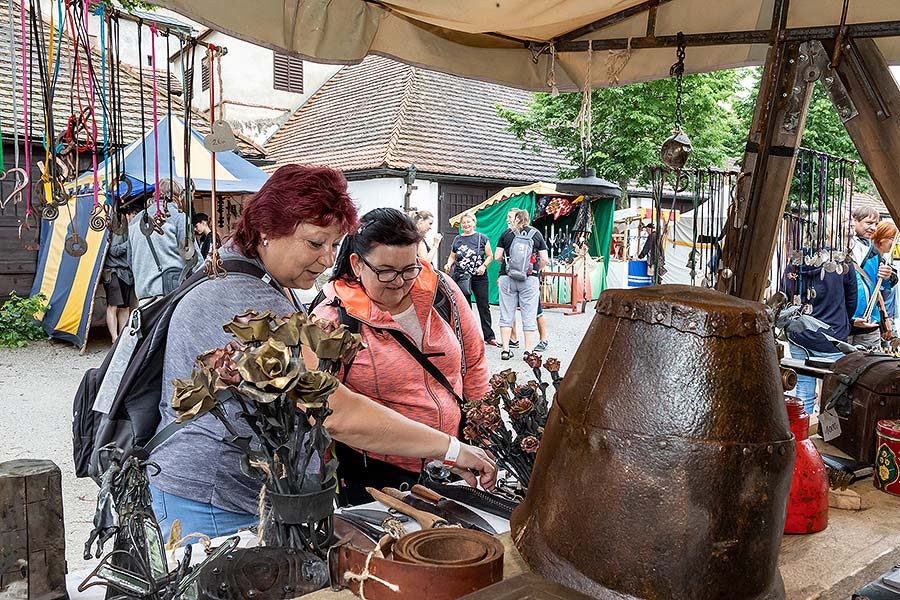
<point x="497" y="40"/>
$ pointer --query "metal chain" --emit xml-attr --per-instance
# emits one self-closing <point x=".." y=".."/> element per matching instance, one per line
<point x="677" y="71"/>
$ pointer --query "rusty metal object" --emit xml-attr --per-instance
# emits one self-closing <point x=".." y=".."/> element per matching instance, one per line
<point x="266" y="573"/>
<point x="788" y="378"/>
<point x="665" y="467"/>
<point x="438" y="564"/>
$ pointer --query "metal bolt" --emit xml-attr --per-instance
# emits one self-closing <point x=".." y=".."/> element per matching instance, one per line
<point x="216" y="570"/>
<point x="288" y="589"/>
<point x="223" y="586"/>
<point x="663" y="444"/>
<point x="770" y="449"/>
<point x="251" y="593"/>
<point x="746" y="451"/>
<point x="791" y="61"/>
<point x="229" y="557"/>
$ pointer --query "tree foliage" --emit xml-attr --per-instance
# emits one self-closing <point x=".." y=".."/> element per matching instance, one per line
<point x="629" y="124"/>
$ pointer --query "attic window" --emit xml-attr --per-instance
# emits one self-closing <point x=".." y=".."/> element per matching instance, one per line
<point x="288" y="73"/>
<point x="204" y="74"/>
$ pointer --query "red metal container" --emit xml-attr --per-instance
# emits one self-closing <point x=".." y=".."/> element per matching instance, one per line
<point x="808" y="503"/>
<point x="887" y="453"/>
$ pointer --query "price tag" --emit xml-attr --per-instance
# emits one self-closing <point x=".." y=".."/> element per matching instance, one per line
<point x="829" y="425"/>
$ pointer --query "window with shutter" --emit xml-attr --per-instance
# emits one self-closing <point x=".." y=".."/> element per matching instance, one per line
<point x="287" y="73"/>
<point x="204" y="74"/>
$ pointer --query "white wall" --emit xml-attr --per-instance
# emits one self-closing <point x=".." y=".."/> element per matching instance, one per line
<point x="248" y="79"/>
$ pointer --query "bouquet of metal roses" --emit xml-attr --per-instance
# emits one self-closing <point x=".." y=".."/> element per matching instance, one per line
<point x="285" y="406"/>
<point x="514" y="442"/>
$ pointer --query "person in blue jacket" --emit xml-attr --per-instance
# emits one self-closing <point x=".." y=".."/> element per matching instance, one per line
<point x="873" y="267"/>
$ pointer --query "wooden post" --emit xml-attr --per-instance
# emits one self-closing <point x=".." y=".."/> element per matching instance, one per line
<point x="876" y="129"/>
<point x="762" y="188"/>
<point x="32" y="535"/>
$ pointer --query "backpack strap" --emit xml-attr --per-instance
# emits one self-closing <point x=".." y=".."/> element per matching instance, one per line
<point x="426" y="363"/>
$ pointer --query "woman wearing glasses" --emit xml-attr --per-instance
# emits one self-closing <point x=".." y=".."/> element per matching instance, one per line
<point x="290" y="231"/>
<point x="408" y="315"/>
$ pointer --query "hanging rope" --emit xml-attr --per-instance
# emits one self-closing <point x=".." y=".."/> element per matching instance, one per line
<point x="616" y="60"/>
<point x="155" y="120"/>
<point x="214" y="265"/>
<point x="584" y="118"/>
<point x="28" y="212"/>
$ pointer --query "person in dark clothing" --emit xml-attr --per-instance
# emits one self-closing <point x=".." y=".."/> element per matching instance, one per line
<point x="470" y="255"/>
<point x="203" y="233"/>
<point x="648" y="252"/>
<point x="833" y="302"/>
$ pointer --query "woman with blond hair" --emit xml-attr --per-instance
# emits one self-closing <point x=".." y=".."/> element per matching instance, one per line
<point x="471" y="254"/>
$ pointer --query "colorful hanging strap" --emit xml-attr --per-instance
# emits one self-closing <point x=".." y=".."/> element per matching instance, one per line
<point x="28" y="211"/>
<point x="155" y="116"/>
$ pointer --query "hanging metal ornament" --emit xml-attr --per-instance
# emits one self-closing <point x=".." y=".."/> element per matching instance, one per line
<point x="676" y="150"/>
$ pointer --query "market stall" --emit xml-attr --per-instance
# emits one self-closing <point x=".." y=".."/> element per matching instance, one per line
<point x="573" y="273"/>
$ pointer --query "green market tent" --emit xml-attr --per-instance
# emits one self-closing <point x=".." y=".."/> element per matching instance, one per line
<point x="491" y="216"/>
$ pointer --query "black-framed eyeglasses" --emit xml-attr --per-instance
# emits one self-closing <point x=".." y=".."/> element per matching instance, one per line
<point x="389" y="275"/>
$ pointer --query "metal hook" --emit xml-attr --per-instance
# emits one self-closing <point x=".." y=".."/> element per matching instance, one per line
<point x="16" y="195"/>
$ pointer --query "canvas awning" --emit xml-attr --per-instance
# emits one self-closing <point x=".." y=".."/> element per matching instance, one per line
<point x="490" y="39"/>
<point x="540" y="188"/>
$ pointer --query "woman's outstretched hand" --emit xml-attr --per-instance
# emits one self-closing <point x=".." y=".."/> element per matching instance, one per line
<point x="473" y="460"/>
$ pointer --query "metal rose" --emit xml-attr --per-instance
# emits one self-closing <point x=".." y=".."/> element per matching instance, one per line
<point x="287" y="329"/>
<point x="330" y="342"/>
<point x="499" y="383"/>
<point x="251" y="326"/>
<point x="530" y="444"/>
<point x="525" y="391"/>
<point x="533" y="359"/>
<point x="509" y="375"/>
<point x="221" y="362"/>
<point x="520" y="407"/>
<point x="492" y="398"/>
<point x="490" y="416"/>
<point x="552" y="364"/>
<point x="193" y="396"/>
<point x="313" y="388"/>
<point x="474" y="416"/>
<point x="470" y="432"/>
<point x="268" y="371"/>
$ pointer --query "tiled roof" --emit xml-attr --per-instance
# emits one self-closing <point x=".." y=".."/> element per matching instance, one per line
<point x="62" y="100"/>
<point x="864" y="199"/>
<point x="382" y="113"/>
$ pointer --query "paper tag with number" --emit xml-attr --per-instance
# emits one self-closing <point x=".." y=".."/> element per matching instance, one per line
<point x="829" y="425"/>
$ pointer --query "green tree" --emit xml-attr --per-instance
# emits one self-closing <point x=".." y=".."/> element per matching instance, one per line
<point x="824" y="131"/>
<point x="629" y="124"/>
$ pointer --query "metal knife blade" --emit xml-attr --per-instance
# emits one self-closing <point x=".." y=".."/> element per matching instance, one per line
<point x="425" y="499"/>
<point x="374" y="516"/>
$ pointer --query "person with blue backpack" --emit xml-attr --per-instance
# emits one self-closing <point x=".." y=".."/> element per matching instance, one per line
<point x="522" y="252"/>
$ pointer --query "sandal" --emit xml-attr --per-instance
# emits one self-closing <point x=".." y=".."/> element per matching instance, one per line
<point x="513" y="343"/>
<point x="506" y="355"/>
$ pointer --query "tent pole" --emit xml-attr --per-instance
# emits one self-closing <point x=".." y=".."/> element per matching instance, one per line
<point x="876" y="129"/>
<point x="766" y="172"/>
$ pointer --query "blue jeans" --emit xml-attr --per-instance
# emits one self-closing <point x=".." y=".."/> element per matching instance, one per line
<point x="806" y="385"/>
<point x="196" y="517"/>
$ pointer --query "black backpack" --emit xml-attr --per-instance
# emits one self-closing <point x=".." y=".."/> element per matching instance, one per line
<point x="134" y="414"/>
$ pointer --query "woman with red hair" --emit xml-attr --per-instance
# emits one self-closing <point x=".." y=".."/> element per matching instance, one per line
<point x="289" y="231"/>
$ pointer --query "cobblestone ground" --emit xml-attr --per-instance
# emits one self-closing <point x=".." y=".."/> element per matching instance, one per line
<point x="38" y="383"/>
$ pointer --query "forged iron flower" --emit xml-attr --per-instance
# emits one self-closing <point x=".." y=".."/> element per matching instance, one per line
<point x="313" y="388"/>
<point x="499" y="383"/>
<point x="330" y="342"/>
<point x="268" y="371"/>
<point x="525" y="391"/>
<point x="509" y="375"/>
<point x="287" y="329"/>
<point x="530" y="444"/>
<point x="534" y="385"/>
<point x="470" y="432"/>
<point x="520" y="407"/>
<point x="490" y="416"/>
<point x="250" y="326"/>
<point x="552" y="364"/>
<point x="221" y="362"/>
<point x="533" y="359"/>
<point x="492" y="398"/>
<point x="193" y="396"/>
<point x="474" y="416"/>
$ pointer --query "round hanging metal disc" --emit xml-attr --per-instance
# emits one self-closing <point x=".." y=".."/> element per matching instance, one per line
<point x="145" y="224"/>
<point x="187" y="251"/>
<point x="76" y="245"/>
<point x="265" y="573"/>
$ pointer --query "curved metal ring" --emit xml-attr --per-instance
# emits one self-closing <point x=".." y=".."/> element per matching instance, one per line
<point x="50" y="212"/>
<point x="76" y="245"/>
<point x="99" y="217"/>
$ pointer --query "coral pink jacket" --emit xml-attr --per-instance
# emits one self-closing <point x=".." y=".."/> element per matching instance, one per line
<point x="385" y="372"/>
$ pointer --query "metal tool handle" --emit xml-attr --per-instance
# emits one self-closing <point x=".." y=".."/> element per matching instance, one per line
<point x="394" y="498"/>
<point x="423" y="492"/>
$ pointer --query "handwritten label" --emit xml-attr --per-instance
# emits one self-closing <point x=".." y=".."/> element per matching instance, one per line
<point x="829" y="425"/>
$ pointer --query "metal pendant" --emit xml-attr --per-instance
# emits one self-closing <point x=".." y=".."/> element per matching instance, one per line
<point x="76" y="245"/>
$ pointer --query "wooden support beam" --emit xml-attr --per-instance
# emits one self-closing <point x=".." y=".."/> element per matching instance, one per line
<point x="876" y="129"/>
<point x="766" y="172"/>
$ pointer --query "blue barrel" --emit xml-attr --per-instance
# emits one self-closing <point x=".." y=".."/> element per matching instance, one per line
<point x="637" y="274"/>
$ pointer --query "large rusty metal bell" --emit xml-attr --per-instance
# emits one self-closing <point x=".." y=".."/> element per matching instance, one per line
<point x="665" y="467"/>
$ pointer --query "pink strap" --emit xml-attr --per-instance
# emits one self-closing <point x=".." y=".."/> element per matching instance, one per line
<point x="87" y="49"/>
<point x="29" y="212"/>
<point x="155" y="122"/>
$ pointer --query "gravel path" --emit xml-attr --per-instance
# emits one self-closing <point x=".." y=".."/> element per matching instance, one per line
<point x="38" y="383"/>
